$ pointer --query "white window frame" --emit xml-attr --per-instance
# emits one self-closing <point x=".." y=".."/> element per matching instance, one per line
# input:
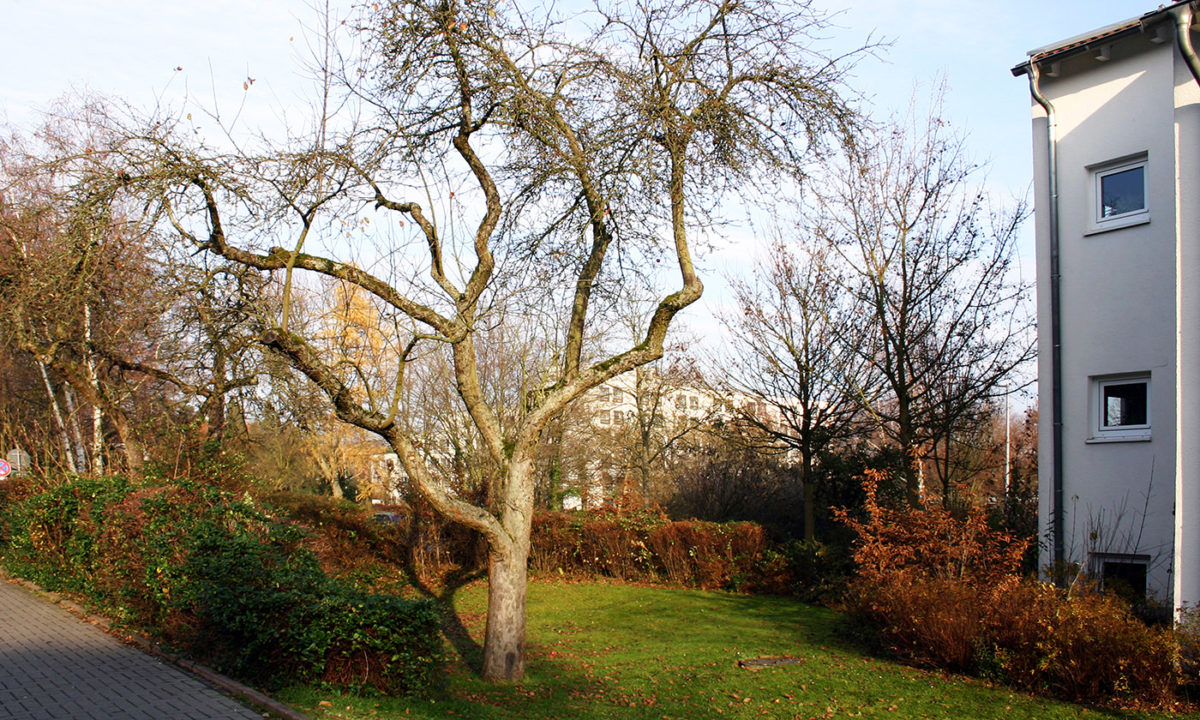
<point x="1097" y="223"/>
<point x="1100" y="432"/>
<point x="1097" y="561"/>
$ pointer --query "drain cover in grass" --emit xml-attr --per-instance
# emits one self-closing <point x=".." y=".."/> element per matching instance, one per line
<point x="766" y="662"/>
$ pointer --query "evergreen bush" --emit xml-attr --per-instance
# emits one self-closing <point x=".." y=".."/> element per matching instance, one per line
<point x="222" y="579"/>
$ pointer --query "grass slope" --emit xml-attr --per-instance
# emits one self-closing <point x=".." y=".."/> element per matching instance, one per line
<point x="609" y="651"/>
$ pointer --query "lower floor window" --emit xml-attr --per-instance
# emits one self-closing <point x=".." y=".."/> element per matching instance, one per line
<point x="1121" y="407"/>
<point x="1125" y="404"/>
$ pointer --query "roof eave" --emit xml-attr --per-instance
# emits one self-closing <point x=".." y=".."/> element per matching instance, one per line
<point x="1096" y="38"/>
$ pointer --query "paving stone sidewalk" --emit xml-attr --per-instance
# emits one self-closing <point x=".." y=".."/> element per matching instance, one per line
<point x="54" y="666"/>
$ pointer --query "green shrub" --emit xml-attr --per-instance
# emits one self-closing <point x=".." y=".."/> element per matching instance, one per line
<point x="268" y="612"/>
<point x="819" y="571"/>
<point x="146" y="539"/>
<point x="221" y="579"/>
<point x="380" y="642"/>
<point x="49" y="536"/>
<point x="250" y="596"/>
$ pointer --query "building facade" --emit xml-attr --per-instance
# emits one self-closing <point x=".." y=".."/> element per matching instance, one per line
<point x="1116" y="137"/>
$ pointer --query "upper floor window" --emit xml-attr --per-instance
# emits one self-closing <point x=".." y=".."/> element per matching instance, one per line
<point x="1122" y="191"/>
<point x="1118" y="194"/>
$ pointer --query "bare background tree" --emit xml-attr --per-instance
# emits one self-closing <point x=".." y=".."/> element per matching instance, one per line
<point x="932" y="266"/>
<point x="795" y="348"/>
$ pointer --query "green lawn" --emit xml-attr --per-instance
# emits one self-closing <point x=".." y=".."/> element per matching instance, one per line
<point x="609" y="651"/>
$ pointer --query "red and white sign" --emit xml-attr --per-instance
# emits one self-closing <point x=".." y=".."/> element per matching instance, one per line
<point x="4" y="469"/>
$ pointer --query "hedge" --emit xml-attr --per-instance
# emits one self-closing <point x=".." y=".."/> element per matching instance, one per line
<point x="219" y="578"/>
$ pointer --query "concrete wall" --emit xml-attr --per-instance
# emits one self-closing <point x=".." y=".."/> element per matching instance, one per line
<point x="1119" y="314"/>
<point x="1187" y="240"/>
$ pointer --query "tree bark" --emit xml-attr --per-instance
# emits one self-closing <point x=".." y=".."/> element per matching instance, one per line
<point x="810" y="513"/>
<point x="134" y="453"/>
<point x="56" y="412"/>
<point x="97" y="413"/>
<point x="97" y="397"/>
<point x="504" y="640"/>
<point x="97" y="440"/>
<point x="73" y="431"/>
<point x="213" y="409"/>
<point x="908" y="444"/>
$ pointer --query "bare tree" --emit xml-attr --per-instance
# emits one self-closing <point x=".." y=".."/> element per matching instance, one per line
<point x="558" y="152"/>
<point x="933" y="269"/>
<point x="207" y="345"/>
<point x="635" y="428"/>
<point x="114" y="321"/>
<point x="795" y="350"/>
<point x="660" y="426"/>
<point x="636" y="425"/>
<point x="76" y="288"/>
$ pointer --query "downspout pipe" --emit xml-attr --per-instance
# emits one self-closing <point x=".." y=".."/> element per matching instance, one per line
<point x="1056" y="391"/>
<point x="1183" y="38"/>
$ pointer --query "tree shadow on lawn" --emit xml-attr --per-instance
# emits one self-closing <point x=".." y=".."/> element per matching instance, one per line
<point x="579" y="680"/>
<point x="455" y="631"/>
<point x="600" y="652"/>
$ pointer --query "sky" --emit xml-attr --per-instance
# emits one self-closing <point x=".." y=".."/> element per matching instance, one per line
<point x="132" y="49"/>
<point x="174" y="53"/>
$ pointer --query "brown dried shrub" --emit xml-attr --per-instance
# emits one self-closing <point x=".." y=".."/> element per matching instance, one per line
<point x="641" y="545"/>
<point x="943" y="590"/>
<point x="934" y="622"/>
<point x="929" y="541"/>
<point x="1085" y="646"/>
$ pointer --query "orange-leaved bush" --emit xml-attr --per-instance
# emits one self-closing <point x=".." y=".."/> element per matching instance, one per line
<point x="943" y="590"/>
<point x="929" y="542"/>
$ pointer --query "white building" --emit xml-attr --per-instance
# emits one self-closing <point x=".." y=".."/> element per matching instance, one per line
<point x="625" y="397"/>
<point x="1116" y="137"/>
<point x="648" y="407"/>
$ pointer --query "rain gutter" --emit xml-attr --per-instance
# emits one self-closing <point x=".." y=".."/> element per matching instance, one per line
<point x="1056" y="393"/>
<point x="1183" y="37"/>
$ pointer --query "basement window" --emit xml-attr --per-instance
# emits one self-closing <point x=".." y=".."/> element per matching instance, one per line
<point x="1122" y="574"/>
